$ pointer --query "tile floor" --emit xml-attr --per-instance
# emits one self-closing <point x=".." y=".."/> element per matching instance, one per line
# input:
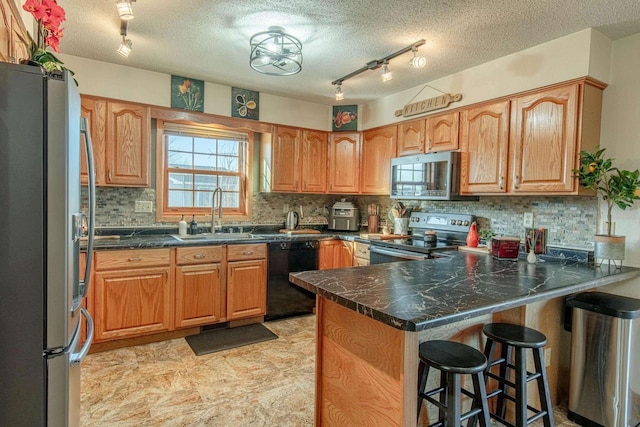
<point x="165" y="384"/>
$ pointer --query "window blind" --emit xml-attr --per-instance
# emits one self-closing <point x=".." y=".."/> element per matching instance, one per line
<point x="204" y="131"/>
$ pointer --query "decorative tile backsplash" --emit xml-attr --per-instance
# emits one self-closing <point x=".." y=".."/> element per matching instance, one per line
<point x="570" y="221"/>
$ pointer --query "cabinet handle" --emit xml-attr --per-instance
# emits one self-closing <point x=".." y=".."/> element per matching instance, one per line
<point x="135" y="259"/>
<point x="199" y="256"/>
<point x="501" y="182"/>
<point x="247" y="253"/>
<point x="516" y="182"/>
<point x="109" y="177"/>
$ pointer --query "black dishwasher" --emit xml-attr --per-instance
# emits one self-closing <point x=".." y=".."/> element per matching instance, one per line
<point x="284" y="299"/>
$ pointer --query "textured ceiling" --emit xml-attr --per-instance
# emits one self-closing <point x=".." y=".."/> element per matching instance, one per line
<point x="209" y="40"/>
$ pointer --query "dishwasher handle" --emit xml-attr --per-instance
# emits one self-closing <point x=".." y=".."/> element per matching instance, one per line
<point x="399" y="253"/>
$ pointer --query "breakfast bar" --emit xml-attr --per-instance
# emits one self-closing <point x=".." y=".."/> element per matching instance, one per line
<point x="370" y="321"/>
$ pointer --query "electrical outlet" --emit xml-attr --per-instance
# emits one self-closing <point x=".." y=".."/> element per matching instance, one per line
<point x="547" y="357"/>
<point x="285" y="208"/>
<point x="143" y="206"/>
<point x="528" y="219"/>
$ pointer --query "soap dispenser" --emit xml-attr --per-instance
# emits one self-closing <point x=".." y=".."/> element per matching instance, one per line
<point x="193" y="226"/>
<point x="182" y="227"/>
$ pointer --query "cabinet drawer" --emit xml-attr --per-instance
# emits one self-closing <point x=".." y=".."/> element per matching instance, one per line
<point x="239" y="252"/>
<point x="199" y="255"/>
<point x="133" y="258"/>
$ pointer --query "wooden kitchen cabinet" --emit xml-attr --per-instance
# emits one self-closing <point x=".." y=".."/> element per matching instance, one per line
<point x="246" y="281"/>
<point x="5" y="30"/>
<point x="411" y="137"/>
<point x="484" y="143"/>
<point x="132" y="293"/>
<point x="286" y="159"/>
<point x="121" y="142"/>
<point x="335" y="254"/>
<point x="378" y="148"/>
<point x="442" y="132"/>
<point x="344" y="162"/>
<point x="314" y="161"/>
<point x="543" y="139"/>
<point x="199" y="290"/>
<point x="361" y="254"/>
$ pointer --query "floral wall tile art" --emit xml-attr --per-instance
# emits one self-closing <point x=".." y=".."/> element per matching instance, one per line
<point x="245" y="103"/>
<point x="345" y="117"/>
<point x="187" y="93"/>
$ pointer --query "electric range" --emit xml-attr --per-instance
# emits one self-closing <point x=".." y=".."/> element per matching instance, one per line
<point x="430" y="235"/>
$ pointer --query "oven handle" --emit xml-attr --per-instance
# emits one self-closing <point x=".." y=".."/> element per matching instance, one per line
<point x="398" y="253"/>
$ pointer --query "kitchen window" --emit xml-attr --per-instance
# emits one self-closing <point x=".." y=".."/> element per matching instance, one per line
<point x="197" y="159"/>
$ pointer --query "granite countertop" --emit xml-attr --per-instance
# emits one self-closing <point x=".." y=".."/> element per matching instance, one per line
<point x="418" y="295"/>
<point x="154" y="240"/>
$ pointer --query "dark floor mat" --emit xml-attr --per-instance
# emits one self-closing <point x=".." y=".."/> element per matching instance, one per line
<point x="225" y="339"/>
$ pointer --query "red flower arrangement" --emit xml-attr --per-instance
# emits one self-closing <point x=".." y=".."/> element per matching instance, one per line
<point x="49" y="16"/>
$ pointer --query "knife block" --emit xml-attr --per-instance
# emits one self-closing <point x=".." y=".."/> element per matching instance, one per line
<point x="373" y="224"/>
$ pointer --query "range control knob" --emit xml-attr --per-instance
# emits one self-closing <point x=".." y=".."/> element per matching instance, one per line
<point x="459" y="222"/>
<point x="466" y="223"/>
<point x="452" y="222"/>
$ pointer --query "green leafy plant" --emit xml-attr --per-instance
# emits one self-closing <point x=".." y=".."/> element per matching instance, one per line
<point x="486" y="234"/>
<point x="617" y="187"/>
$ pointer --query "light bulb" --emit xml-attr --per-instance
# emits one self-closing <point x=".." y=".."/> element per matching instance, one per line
<point x="386" y="73"/>
<point x="418" y="61"/>
<point x="339" y="93"/>
<point x="125" y="47"/>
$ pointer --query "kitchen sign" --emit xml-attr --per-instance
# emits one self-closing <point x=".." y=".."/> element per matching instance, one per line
<point x="430" y="104"/>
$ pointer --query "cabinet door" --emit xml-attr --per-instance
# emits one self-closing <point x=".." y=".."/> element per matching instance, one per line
<point x="543" y="141"/>
<point x="411" y="137"/>
<point x="484" y="145"/>
<point x="130" y="303"/>
<point x="198" y="294"/>
<point x="335" y="254"/>
<point x="5" y="31"/>
<point x="246" y="289"/>
<point x="128" y="144"/>
<point x="314" y="161"/>
<point x="378" y="148"/>
<point x="96" y="113"/>
<point x="344" y="163"/>
<point x="442" y="132"/>
<point x="286" y="159"/>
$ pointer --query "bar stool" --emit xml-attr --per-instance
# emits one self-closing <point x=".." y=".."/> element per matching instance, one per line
<point x="517" y="338"/>
<point x="453" y="359"/>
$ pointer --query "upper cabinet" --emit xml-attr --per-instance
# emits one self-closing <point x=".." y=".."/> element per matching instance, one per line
<point x="286" y="159"/>
<point x="536" y="149"/>
<point x="411" y="137"/>
<point x="484" y="141"/>
<point x="120" y="136"/>
<point x="314" y="161"/>
<point x="442" y="132"/>
<point x="13" y="47"/>
<point x="344" y="162"/>
<point x="378" y="148"/>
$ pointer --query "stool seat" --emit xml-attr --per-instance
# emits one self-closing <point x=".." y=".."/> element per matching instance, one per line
<point x="515" y="335"/>
<point x="449" y="356"/>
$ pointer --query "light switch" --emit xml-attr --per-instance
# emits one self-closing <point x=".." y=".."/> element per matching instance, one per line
<point x="528" y="219"/>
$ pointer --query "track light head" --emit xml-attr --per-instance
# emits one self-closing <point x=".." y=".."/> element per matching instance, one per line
<point x="124" y="9"/>
<point x="417" y="61"/>
<point x="386" y="73"/>
<point x="339" y="92"/>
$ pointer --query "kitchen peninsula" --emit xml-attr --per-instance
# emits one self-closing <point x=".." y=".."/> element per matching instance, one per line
<point x="370" y="321"/>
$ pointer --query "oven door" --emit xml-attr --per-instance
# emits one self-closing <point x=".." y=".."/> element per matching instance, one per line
<point x="380" y="255"/>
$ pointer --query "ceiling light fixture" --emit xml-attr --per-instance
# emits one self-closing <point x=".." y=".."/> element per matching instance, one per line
<point x="124" y="9"/>
<point x="275" y="53"/>
<point x="384" y="63"/>
<point x="386" y="73"/>
<point x="339" y="92"/>
<point x="417" y="61"/>
<point x="126" y="46"/>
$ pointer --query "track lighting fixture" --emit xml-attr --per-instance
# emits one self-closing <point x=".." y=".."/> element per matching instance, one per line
<point x="124" y="9"/>
<point x="339" y="93"/>
<point x="386" y="73"/>
<point x="417" y="62"/>
<point x="126" y="46"/>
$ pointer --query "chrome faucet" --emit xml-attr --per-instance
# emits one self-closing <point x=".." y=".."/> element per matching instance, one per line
<point x="218" y="190"/>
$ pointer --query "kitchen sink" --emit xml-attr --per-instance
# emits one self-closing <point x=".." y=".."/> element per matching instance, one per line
<point x="214" y="236"/>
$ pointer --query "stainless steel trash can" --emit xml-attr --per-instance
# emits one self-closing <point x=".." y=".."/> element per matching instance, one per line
<point x="604" y="387"/>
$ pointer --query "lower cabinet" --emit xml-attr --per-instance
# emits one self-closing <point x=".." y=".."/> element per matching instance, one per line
<point x="199" y="290"/>
<point x="132" y="293"/>
<point x="361" y="254"/>
<point x="335" y="254"/>
<point x="246" y="281"/>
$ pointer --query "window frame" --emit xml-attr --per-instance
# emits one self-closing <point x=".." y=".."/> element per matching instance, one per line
<point x="167" y="214"/>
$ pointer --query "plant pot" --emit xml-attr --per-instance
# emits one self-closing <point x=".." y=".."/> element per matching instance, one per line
<point x="609" y="247"/>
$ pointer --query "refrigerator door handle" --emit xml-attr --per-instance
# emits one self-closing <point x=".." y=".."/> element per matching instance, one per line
<point x="77" y="358"/>
<point x="84" y="130"/>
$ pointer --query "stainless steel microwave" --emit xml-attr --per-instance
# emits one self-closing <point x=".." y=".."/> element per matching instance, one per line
<point x="427" y="177"/>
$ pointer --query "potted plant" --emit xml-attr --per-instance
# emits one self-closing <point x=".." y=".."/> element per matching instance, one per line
<point x="617" y="187"/>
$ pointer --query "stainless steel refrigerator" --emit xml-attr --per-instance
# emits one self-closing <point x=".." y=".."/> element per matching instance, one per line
<point x="40" y="228"/>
